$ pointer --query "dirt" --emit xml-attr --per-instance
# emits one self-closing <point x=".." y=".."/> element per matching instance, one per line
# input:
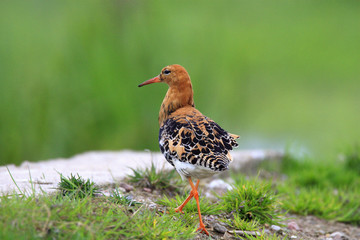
<point x="294" y="227"/>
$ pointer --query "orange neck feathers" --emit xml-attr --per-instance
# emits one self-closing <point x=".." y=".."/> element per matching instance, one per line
<point x="180" y="93"/>
<point x="178" y="96"/>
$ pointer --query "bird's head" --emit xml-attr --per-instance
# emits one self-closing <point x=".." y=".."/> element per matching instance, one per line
<point x="172" y="75"/>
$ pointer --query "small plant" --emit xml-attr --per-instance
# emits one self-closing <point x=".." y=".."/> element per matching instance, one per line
<point x="314" y="173"/>
<point x="118" y="198"/>
<point x="352" y="159"/>
<point x="155" y="179"/>
<point x="152" y="225"/>
<point x="239" y="223"/>
<point x="76" y="187"/>
<point x="253" y="200"/>
<point x="340" y="205"/>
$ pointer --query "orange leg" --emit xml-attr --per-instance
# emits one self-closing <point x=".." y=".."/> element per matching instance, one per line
<point x="196" y="196"/>
<point x="179" y="209"/>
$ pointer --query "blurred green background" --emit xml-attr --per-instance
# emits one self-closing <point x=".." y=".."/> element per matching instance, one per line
<point x="276" y="73"/>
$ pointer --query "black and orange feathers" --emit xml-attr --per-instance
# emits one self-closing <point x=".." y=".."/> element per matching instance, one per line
<point x="186" y="135"/>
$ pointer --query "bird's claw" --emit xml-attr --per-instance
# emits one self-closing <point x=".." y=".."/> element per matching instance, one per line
<point x="202" y="229"/>
<point x="179" y="210"/>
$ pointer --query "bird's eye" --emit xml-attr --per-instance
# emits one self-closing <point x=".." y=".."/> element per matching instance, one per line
<point x="166" y="71"/>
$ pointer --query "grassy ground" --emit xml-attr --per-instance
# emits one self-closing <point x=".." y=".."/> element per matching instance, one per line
<point x="80" y="211"/>
<point x="273" y="73"/>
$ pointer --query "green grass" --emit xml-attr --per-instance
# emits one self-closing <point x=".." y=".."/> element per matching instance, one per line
<point x="88" y="218"/>
<point x="252" y="199"/>
<point x="352" y="159"/>
<point x="245" y="225"/>
<point x="69" y="78"/>
<point x="76" y="187"/>
<point x="325" y="189"/>
<point x="206" y="206"/>
<point x="153" y="178"/>
<point x="118" y="198"/>
<point x="251" y="203"/>
<point x="340" y="205"/>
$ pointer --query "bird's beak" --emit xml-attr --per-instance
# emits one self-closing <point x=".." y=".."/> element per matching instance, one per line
<point x="153" y="80"/>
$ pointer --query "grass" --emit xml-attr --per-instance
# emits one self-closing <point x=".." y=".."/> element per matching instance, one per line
<point x="87" y="218"/>
<point x="352" y="159"/>
<point x="118" y="198"/>
<point x="253" y="200"/>
<point x="206" y="206"/>
<point x="78" y="212"/>
<point x="340" y="205"/>
<point x="239" y="223"/>
<point x="153" y="178"/>
<point x="76" y="187"/>
<point x="327" y="190"/>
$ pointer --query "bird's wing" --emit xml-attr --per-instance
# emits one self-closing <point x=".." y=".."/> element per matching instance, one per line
<point x="197" y="140"/>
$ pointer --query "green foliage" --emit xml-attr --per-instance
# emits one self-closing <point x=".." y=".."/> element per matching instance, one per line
<point x="352" y="159"/>
<point x="312" y="173"/>
<point x="325" y="189"/>
<point x="238" y="223"/>
<point x="76" y="187"/>
<point x="253" y="200"/>
<point x="339" y="205"/>
<point x="51" y="217"/>
<point x="118" y="198"/>
<point x="162" y="226"/>
<point x="206" y="206"/>
<point x="156" y="179"/>
<point x="69" y="78"/>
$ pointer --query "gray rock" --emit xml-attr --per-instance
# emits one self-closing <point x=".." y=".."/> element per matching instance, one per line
<point x="320" y="232"/>
<point x="219" y="228"/>
<point x="339" y="236"/>
<point x="148" y="190"/>
<point x="275" y="228"/>
<point x="219" y="184"/>
<point x="127" y="187"/>
<point x="103" y="168"/>
<point x="152" y="206"/>
<point x="293" y="226"/>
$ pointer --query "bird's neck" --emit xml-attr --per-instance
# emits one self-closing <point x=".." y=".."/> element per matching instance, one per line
<point x="175" y="98"/>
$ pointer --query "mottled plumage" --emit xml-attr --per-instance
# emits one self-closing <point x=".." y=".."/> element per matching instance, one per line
<point x="195" y="145"/>
<point x="195" y="139"/>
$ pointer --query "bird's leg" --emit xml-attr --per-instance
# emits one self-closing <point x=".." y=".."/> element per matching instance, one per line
<point x="179" y="209"/>
<point x="196" y="196"/>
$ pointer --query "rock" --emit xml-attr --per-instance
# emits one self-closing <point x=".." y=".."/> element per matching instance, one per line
<point x="219" y="184"/>
<point x="293" y="237"/>
<point x="339" y="236"/>
<point x="320" y="232"/>
<point x="293" y="226"/>
<point x="275" y="228"/>
<point x="103" y="168"/>
<point x="245" y="233"/>
<point x="148" y="190"/>
<point x="152" y="206"/>
<point x="126" y="186"/>
<point x="219" y="228"/>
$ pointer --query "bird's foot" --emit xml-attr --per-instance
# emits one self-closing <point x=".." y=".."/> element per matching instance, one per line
<point x="178" y="209"/>
<point x="202" y="229"/>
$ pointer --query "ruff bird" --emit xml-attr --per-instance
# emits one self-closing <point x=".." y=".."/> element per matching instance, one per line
<point x="196" y="146"/>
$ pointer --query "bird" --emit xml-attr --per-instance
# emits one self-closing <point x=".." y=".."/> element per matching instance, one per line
<point x="196" y="146"/>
